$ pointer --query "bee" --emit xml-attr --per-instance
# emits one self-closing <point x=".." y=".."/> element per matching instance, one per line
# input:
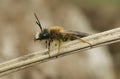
<point x="57" y="33"/>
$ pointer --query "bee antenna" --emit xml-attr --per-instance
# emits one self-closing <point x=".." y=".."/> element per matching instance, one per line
<point x="38" y="22"/>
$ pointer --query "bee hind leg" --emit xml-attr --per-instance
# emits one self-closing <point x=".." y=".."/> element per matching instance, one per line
<point x="84" y="41"/>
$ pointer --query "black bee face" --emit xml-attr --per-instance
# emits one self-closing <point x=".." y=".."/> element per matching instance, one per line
<point x="42" y="35"/>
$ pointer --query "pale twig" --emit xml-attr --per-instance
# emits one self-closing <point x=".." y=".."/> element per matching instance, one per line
<point x="99" y="39"/>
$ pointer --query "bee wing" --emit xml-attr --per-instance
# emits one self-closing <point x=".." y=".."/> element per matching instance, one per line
<point x="76" y="33"/>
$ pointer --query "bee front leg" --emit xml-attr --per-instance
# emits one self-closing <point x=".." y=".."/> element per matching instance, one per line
<point x="46" y="43"/>
<point x="49" y="43"/>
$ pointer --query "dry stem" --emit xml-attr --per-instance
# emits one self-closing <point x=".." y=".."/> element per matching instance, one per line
<point x="99" y="39"/>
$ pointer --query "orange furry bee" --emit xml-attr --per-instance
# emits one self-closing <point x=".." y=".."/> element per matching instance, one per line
<point x="57" y="33"/>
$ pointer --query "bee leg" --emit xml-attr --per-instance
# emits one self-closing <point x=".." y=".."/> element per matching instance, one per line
<point x="49" y="48"/>
<point x="55" y="44"/>
<point x="46" y="43"/>
<point x="59" y="43"/>
<point x="84" y="41"/>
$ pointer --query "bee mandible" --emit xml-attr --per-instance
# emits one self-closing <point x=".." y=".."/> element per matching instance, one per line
<point x="57" y="33"/>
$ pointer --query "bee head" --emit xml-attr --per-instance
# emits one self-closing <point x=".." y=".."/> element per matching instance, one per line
<point x="42" y="35"/>
<point x="44" y="32"/>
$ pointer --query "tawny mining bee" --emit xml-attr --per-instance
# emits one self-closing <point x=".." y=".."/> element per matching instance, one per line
<point x="56" y="33"/>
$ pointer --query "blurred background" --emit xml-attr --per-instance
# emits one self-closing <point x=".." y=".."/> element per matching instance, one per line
<point x="18" y="27"/>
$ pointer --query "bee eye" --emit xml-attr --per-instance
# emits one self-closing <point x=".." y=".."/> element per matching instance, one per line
<point x="44" y="34"/>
